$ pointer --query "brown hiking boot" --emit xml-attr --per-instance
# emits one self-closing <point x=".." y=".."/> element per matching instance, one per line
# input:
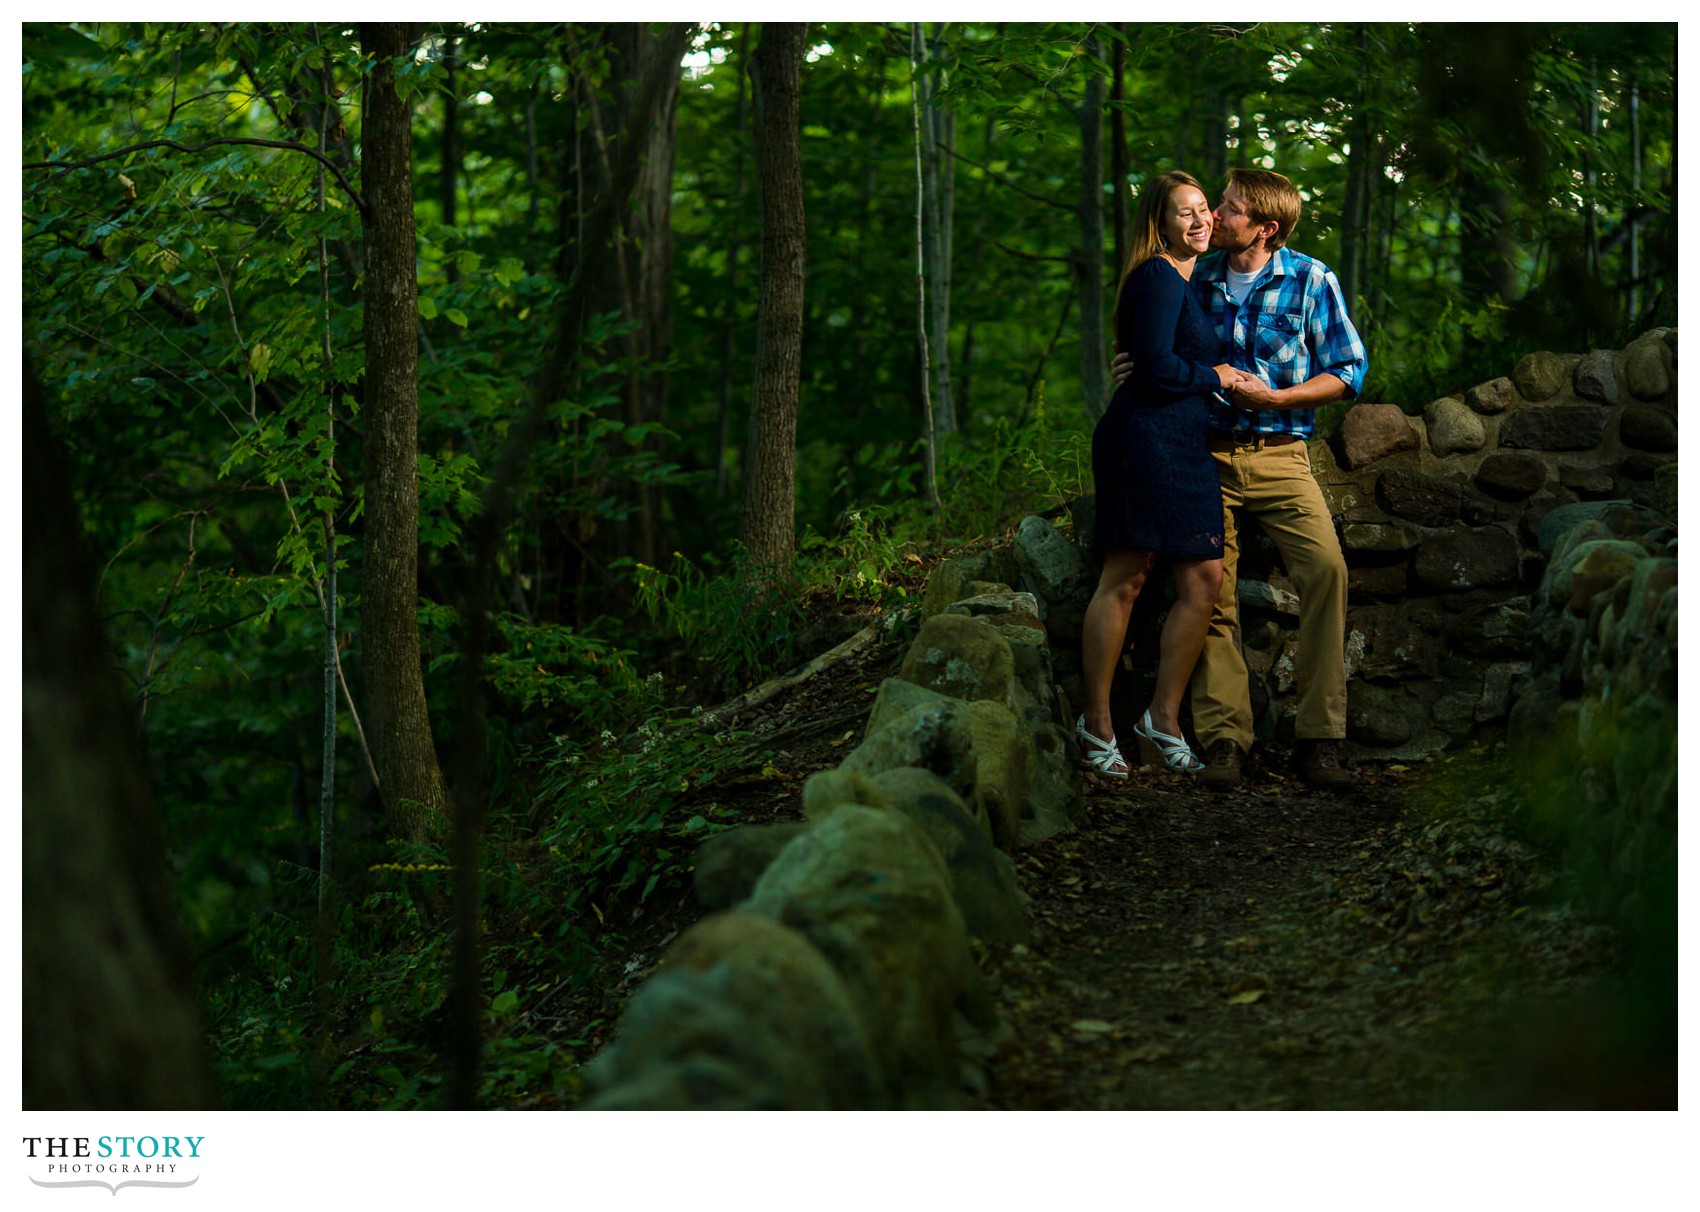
<point x="1323" y="768"/>
<point x="1222" y="765"/>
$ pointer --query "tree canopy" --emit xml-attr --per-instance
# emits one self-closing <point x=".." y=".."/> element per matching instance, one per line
<point x="213" y="225"/>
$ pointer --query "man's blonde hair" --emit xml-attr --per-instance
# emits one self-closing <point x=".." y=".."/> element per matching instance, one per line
<point x="1268" y="197"/>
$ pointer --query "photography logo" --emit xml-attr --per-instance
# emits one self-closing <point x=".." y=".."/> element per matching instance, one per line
<point x="113" y="1162"/>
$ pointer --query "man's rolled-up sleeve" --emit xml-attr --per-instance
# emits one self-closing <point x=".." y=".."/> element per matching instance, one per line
<point x="1336" y="347"/>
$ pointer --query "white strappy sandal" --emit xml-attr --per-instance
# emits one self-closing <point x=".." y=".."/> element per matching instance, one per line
<point x="1100" y="756"/>
<point x="1176" y="754"/>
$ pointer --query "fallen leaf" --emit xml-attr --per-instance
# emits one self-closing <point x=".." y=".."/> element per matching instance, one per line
<point x="1092" y="1026"/>
<point x="1246" y="998"/>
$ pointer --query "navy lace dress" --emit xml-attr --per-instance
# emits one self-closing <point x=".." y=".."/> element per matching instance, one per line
<point x="1156" y="483"/>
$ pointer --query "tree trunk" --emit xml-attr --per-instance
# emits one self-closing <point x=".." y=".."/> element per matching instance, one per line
<point x="1094" y="350"/>
<point x="109" y="1015"/>
<point x="1216" y="135"/>
<point x="1118" y="150"/>
<point x="916" y="53"/>
<point x="976" y="265"/>
<point x="1360" y="181"/>
<point x="938" y="178"/>
<point x="652" y="279"/>
<point x="411" y="782"/>
<point x="734" y="253"/>
<point x="767" y="524"/>
<point x="448" y="181"/>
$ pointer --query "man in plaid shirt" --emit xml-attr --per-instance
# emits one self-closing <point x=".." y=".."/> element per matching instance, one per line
<point x="1283" y="319"/>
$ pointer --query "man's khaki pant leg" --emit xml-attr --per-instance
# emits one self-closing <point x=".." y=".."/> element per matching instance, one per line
<point x="1275" y="486"/>
<point x="1288" y="502"/>
<point x="1221" y="687"/>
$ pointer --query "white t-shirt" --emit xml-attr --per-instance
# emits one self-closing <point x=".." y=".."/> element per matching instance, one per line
<point x="1239" y="285"/>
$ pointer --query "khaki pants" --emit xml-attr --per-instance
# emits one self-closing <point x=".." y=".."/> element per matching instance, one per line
<point x="1274" y="485"/>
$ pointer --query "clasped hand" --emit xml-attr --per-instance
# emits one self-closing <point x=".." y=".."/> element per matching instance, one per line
<point x="1245" y="390"/>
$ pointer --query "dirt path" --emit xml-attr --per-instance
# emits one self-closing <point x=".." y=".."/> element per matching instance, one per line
<point x="1276" y="948"/>
<point x="1394" y="947"/>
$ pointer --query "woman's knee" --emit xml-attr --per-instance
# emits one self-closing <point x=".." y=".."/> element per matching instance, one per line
<point x="1124" y="575"/>
<point x="1201" y="583"/>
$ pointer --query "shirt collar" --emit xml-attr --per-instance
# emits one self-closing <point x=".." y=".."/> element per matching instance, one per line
<point x="1213" y="266"/>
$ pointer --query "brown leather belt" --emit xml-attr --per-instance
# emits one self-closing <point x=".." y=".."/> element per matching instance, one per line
<point x="1259" y="441"/>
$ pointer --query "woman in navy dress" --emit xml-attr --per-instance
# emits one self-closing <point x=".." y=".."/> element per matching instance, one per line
<point x="1157" y="489"/>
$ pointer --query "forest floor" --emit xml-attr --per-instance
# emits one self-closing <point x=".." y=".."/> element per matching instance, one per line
<point x="1394" y="946"/>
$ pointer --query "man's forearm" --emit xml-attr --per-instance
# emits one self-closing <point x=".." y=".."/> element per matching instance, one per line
<point x="1314" y="392"/>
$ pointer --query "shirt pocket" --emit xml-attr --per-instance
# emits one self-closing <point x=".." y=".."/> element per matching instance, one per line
<point x="1279" y="336"/>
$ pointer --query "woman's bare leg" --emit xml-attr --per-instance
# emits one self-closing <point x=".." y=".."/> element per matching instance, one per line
<point x="1104" y="632"/>
<point x="1197" y="582"/>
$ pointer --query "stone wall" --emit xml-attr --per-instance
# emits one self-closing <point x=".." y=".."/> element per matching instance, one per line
<point x="1512" y="561"/>
<point x="836" y="971"/>
<point x="1448" y="521"/>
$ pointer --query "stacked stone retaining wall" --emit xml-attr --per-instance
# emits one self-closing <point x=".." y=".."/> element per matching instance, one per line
<point x="1511" y="557"/>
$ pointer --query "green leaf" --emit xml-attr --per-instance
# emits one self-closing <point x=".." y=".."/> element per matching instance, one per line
<point x="468" y="261"/>
<point x="1246" y="998"/>
<point x="505" y="1001"/>
<point x="456" y="316"/>
<point x="427" y="307"/>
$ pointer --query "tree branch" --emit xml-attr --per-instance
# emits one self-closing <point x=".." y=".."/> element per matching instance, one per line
<point x="1003" y="180"/>
<point x="1072" y="262"/>
<point x="66" y="165"/>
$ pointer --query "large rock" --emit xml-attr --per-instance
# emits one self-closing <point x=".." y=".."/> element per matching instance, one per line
<point x="982" y="877"/>
<point x="1648" y="367"/>
<point x="1591" y="483"/>
<point x="1499" y="684"/>
<point x="1562" y="518"/>
<point x="1055" y="800"/>
<point x="1383" y="643"/>
<point x="1645" y="427"/>
<point x="868" y="889"/>
<point x="962" y="657"/>
<point x="1374" y="431"/>
<point x="1539" y="376"/>
<point x="1425" y="500"/>
<point x="1034" y="690"/>
<point x="1596" y="377"/>
<point x="982" y="750"/>
<point x="1383" y="715"/>
<point x="1603" y="561"/>
<point x="1555" y="427"/>
<point x="1004" y="759"/>
<point x="945" y="584"/>
<point x="1469" y="559"/>
<point x="1511" y="476"/>
<point x="745" y="1014"/>
<point x="1267" y="595"/>
<point x="1379" y="537"/>
<point x="992" y="601"/>
<point x="935" y="735"/>
<point x="729" y="864"/>
<point x="1593" y="569"/>
<point x="1050" y="565"/>
<point x="1496" y="627"/>
<point x="1493" y="397"/>
<point x="1386" y="581"/>
<point x="1453" y="428"/>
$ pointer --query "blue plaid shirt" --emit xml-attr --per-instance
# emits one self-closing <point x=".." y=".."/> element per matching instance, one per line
<point x="1291" y="328"/>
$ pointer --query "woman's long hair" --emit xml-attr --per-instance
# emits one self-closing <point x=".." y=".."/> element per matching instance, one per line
<point x="1147" y="225"/>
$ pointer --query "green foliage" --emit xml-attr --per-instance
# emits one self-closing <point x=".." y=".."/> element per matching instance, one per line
<point x="178" y="307"/>
<point x="741" y="622"/>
